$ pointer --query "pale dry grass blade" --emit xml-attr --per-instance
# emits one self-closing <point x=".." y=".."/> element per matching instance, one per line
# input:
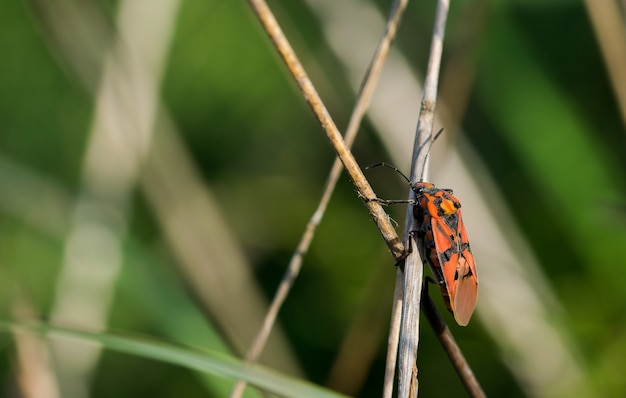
<point x="126" y="102"/>
<point x="231" y="274"/>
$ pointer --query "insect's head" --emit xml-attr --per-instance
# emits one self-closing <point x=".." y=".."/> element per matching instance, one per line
<point x="422" y="187"/>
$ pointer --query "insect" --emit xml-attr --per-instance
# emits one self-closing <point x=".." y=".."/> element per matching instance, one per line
<point x="446" y="246"/>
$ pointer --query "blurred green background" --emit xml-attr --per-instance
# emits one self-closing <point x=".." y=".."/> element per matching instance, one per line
<point x="158" y="167"/>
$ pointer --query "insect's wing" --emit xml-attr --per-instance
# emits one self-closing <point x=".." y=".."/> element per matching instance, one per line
<point x="445" y="240"/>
<point x="465" y="296"/>
<point x="457" y="265"/>
<point x="432" y="257"/>
<point x="466" y="292"/>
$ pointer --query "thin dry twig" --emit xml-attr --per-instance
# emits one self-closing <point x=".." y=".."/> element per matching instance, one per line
<point x="295" y="264"/>
<point x="394" y="333"/>
<point x="452" y="349"/>
<point x="311" y="96"/>
<point x="413" y="268"/>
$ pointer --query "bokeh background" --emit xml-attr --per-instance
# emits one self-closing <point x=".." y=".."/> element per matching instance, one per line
<point x="158" y="167"/>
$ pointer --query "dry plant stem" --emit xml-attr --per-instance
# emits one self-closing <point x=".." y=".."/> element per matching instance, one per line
<point x="313" y="99"/>
<point x="452" y="349"/>
<point x="363" y="99"/>
<point x="394" y="332"/>
<point x="413" y="269"/>
<point x="409" y="327"/>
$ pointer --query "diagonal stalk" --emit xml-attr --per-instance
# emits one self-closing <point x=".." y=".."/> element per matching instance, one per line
<point x="295" y="264"/>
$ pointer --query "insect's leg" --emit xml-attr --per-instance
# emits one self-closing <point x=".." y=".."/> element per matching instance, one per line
<point x="386" y="202"/>
<point x="428" y="279"/>
<point x="438" y="276"/>
<point x="407" y="251"/>
<point x="437" y="134"/>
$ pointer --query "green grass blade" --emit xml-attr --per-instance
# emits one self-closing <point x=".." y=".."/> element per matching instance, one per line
<point x="206" y="361"/>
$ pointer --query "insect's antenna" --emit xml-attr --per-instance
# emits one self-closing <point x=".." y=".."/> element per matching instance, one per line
<point x="371" y="166"/>
<point x="437" y="134"/>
